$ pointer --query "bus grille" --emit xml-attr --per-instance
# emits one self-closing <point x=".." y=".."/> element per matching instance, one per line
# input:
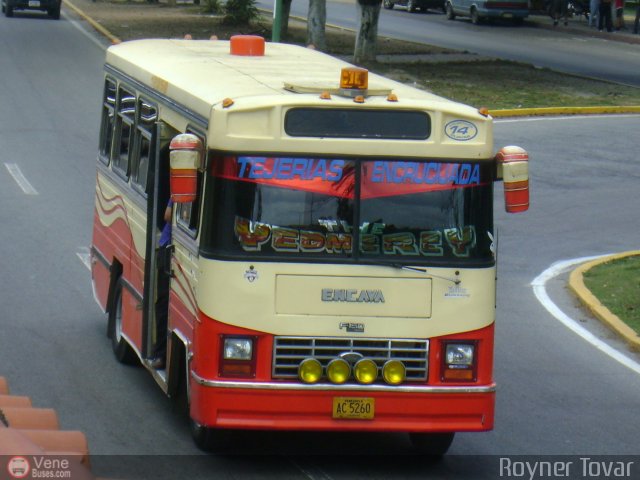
<point x="290" y="351"/>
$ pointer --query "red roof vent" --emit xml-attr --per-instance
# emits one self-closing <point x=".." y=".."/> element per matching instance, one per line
<point x="247" y="45"/>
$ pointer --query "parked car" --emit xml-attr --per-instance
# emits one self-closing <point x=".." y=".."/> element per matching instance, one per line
<point x="52" y="7"/>
<point x="415" y="5"/>
<point x="480" y="10"/>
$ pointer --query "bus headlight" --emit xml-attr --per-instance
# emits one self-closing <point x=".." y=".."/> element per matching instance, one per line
<point x="459" y="354"/>
<point x="338" y="370"/>
<point x="459" y="363"/>
<point x="365" y="371"/>
<point x="394" y="372"/>
<point x="310" y="370"/>
<point x="238" y="348"/>
<point x="238" y="357"/>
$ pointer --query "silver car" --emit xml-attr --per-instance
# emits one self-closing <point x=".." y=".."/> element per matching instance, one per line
<point x="481" y="10"/>
<point x="415" y="5"/>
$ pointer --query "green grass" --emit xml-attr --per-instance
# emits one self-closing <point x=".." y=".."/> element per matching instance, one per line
<point x="617" y="285"/>
<point x="505" y="85"/>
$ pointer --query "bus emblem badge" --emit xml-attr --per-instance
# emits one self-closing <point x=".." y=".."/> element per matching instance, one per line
<point x="352" y="327"/>
<point x="251" y="275"/>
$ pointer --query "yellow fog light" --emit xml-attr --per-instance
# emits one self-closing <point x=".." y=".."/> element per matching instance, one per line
<point x="394" y="372"/>
<point x="366" y="371"/>
<point x="338" y="370"/>
<point x="310" y="370"/>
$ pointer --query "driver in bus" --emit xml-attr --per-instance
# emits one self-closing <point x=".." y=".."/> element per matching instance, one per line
<point x="162" y="303"/>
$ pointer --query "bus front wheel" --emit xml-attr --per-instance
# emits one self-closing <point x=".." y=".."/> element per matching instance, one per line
<point x="206" y="438"/>
<point x="121" y="349"/>
<point x="431" y="444"/>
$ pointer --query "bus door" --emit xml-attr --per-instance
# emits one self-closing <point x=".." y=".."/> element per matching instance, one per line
<point x="153" y="150"/>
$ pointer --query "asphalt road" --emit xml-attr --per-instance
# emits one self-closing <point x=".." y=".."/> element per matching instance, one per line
<point x="558" y="49"/>
<point x="557" y="394"/>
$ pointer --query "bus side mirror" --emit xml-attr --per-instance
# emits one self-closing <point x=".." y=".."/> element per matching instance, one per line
<point x="513" y="169"/>
<point x="185" y="159"/>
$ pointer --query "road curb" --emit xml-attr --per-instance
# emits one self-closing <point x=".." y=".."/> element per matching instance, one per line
<point x="602" y="110"/>
<point x="103" y="31"/>
<point x="577" y="286"/>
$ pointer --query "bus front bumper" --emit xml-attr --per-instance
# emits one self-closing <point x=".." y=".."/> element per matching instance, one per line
<point x="290" y="406"/>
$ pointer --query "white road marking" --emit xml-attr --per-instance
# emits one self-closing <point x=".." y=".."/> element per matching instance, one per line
<point x="20" y="179"/>
<point x="539" y="289"/>
<point x="85" y="257"/>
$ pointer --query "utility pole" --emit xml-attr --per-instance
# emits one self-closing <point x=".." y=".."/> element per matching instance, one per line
<point x="277" y="21"/>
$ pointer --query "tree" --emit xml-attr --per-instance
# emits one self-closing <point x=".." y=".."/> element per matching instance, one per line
<point x="240" y="12"/>
<point x="367" y="38"/>
<point x="210" y="6"/>
<point x="316" y="19"/>
<point x="286" y="11"/>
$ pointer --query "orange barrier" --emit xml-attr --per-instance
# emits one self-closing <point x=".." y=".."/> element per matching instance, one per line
<point x="23" y="417"/>
<point x="31" y="438"/>
<point x="14" y="401"/>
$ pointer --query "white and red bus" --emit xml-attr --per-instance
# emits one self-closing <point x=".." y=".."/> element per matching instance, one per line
<point x="332" y="263"/>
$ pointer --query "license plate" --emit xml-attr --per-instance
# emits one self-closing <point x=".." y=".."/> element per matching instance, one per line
<point x="359" y="408"/>
<point x="34" y="3"/>
<point x="507" y="15"/>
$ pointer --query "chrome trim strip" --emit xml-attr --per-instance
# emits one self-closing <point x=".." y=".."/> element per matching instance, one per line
<point x="136" y="295"/>
<point x="183" y="338"/>
<point x="160" y="376"/>
<point x="97" y="254"/>
<point x="329" y="386"/>
<point x="188" y="355"/>
<point x="132" y="345"/>
<point x="95" y="296"/>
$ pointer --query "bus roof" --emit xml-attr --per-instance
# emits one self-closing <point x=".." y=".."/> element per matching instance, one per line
<point x="205" y="71"/>
<point x="198" y="75"/>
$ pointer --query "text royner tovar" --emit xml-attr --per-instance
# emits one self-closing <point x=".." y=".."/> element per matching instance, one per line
<point x="582" y="467"/>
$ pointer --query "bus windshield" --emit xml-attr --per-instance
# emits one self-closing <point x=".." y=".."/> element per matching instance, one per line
<point x="319" y="209"/>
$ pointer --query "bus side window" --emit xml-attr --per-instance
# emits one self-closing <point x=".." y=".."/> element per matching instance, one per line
<point x="108" y="119"/>
<point x="147" y="116"/>
<point x="140" y="167"/>
<point x="187" y="214"/>
<point x="124" y="131"/>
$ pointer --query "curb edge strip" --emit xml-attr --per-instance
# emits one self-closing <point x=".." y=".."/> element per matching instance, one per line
<point x="102" y="30"/>
<point x="577" y="286"/>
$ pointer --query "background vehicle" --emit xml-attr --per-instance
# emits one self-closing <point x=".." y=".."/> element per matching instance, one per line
<point x="480" y="10"/>
<point x="52" y="7"/>
<point x="415" y="5"/>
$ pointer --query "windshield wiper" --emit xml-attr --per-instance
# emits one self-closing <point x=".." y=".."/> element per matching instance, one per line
<point x="456" y="280"/>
